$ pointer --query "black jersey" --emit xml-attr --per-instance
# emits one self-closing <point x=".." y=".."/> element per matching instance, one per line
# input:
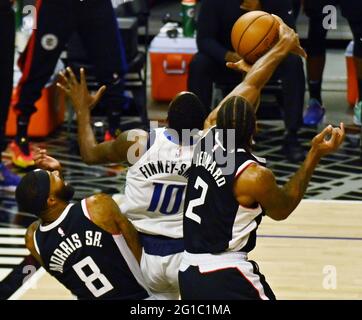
<point x="90" y="262"/>
<point x="214" y="221"/>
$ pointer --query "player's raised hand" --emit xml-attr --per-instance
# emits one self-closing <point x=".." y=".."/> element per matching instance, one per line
<point x="291" y="38"/>
<point x="45" y="162"/>
<point x="328" y="141"/>
<point x="82" y="99"/>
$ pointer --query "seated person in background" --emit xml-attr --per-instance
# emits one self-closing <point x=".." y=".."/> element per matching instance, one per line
<point x="89" y="246"/>
<point x="215" y="23"/>
<point x="316" y="49"/>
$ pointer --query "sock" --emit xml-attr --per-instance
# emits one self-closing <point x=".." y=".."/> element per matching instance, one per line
<point x="22" y="129"/>
<point x="22" y="134"/>
<point x="315" y="89"/>
<point x="360" y="90"/>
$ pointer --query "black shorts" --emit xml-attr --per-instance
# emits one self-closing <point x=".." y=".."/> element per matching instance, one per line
<point x="224" y="284"/>
<point x="351" y="9"/>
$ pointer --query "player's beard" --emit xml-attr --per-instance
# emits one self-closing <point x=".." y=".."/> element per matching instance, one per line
<point x="66" y="194"/>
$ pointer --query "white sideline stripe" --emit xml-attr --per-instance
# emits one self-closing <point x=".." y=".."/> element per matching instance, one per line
<point x="8" y="260"/>
<point x="28" y="284"/>
<point x="4" y="273"/>
<point x="12" y="240"/>
<point x="14" y="251"/>
<point x="12" y="231"/>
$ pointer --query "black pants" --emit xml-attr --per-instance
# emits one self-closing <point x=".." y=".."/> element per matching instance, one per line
<point x="204" y="71"/>
<point x="225" y="284"/>
<point x="351" y="10"/>
<point x="7" y="45"/>
<point x="95" y="22"/>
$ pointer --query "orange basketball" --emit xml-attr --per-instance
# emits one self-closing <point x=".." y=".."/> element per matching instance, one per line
<point x="254" y="34"/>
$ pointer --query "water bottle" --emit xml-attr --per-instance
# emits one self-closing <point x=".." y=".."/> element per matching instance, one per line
<point x="18" y="14"/>
<point x="188" y="17"/>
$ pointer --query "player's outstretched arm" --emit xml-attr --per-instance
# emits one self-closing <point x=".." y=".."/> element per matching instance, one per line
<point x="258" y="184"/>
<point x="91" y="151"/>
<point x="105" y="213"/>
<point x="262" y="70"/>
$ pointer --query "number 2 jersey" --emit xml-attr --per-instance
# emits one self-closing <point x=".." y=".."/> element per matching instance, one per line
<point x="156" y="185"/>
<point x="90" y="262"/>
<point x="214" y="222"/>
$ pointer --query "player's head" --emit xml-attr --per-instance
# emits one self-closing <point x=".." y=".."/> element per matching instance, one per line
<point x="40" y="190"/>
<point x="237" y="113"/>
<point x="186" y="111"/>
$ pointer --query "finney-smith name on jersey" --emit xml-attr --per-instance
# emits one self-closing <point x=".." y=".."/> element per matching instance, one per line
<point x="160" y="167"/>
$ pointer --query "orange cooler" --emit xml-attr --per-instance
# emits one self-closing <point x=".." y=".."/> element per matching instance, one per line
<point x="170" y="60"/>
<point x="50" y="114"/>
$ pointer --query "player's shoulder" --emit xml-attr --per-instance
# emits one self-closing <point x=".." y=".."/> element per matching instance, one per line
<point x="256" y="173"/>
<point x="104" y="212"/>
<point x="99" y="200"/>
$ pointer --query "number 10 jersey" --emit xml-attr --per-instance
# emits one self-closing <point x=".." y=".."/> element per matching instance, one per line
<point x="156" y="184"/>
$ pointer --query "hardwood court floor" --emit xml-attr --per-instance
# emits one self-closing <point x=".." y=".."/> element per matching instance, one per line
<point x="320" y="236"/>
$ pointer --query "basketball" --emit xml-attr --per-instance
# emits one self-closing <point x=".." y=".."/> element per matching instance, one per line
<point x="254" y="34"/>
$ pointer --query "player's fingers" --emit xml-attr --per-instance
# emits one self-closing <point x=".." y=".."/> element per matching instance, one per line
<point x="300" y="52"/>
<point x="60" y="86"/>
<point x="341" y="133"/>
<point x="240" y="66"/>
<point x="326" y="131"/>
<point x="333" y="139"/>
<point x="82" y="77"/>
<point x="72" y="76"/>
<point x="99" y="94"/>
<point x="64" y="77"/>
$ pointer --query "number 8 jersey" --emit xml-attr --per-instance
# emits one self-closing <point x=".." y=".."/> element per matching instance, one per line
<point x="88" y="261"/>
<point x="214" y="222"/>
<point x="156" y="184"/>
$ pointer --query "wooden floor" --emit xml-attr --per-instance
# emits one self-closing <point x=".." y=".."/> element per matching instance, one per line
<point x="318" y="247"/>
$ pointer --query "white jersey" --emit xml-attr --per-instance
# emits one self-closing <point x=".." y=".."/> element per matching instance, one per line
<point x="155" y="187"/>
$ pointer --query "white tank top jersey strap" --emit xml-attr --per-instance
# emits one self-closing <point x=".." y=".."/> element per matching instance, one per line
<point x="155" y="187"/>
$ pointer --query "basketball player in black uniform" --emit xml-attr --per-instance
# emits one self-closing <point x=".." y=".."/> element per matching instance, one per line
<point x="229" y="190"/>
<point x="88" y="246"/>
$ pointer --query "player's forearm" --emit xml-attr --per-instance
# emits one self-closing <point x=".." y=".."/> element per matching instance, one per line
<point x="257" y="77"/>
<point x="264" y="68"/>
<point x="86" y="138"/>
<point x="296" y="187"/>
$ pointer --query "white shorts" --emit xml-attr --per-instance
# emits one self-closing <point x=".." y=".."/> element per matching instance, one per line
<point x="161" y="275"/>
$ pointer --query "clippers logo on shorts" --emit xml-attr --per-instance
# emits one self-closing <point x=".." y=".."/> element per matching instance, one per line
<point x="49" y="42"/>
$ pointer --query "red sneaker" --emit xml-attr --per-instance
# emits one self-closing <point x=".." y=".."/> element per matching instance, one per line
<point x="19" y="155"/>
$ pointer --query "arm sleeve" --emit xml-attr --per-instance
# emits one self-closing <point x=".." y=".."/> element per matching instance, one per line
<point x="208" y="28"/>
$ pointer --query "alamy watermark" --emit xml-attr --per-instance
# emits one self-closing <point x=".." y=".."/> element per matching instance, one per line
<point x="330" y="19"/>
<point x="330" y="277"/>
